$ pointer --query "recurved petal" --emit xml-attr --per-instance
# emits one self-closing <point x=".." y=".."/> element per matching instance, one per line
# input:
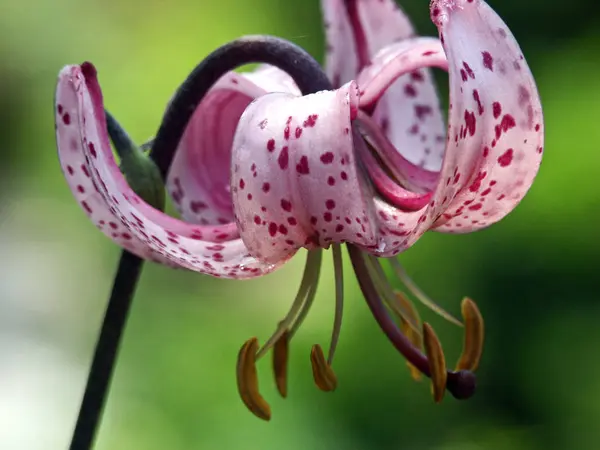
<point x="399" y="89"/>
<point x="78" y="175"/>
<point x="198" y="181"/>
<point x="83" y="145"/>
<point x="295" y="181"/>
<point x="272" y="79"/>
<point x="199" y="177"/>
<point x="494" y="146"/>
<point x="404" y="184"/>
<point x="356" y="30"/>
<point x="496" y="128"/>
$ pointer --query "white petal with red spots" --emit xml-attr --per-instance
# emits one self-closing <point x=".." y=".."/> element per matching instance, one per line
<point x="295" y="182"/>
<point x="213" y="250"/>
<point x="199" y="177"/>
<point x="375" y="35"/>
<point x="496" y="129"/>
<point x="400" y="91"/>
<point x="78" y="175"/>
<point x="198" y="181"/>
<point x="495" y="139"/>
<point x="272" y="79"/>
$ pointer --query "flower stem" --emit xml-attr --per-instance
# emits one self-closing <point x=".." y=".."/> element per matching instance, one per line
<point x="128" y="273"/>
<point x="309" y="77"/>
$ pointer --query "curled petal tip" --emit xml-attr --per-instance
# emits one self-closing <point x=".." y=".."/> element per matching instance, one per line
<point x="88" y="69"/>
<point x="98" y="185"/>
<point x="440" y="9"/>
<point x="495" y="123"/>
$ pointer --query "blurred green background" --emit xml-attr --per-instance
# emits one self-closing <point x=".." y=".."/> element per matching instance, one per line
<point x="534" y="275"/>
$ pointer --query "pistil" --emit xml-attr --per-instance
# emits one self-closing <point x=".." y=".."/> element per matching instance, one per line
<point x="460" y="383"/>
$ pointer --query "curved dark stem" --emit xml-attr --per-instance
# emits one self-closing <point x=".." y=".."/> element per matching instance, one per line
<point x="306" y="72"/>
<point x="309" y="77"/>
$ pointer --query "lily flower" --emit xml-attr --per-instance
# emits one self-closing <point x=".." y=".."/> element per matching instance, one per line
<point x="371" y="165"/>
<point x="262" y="172"/>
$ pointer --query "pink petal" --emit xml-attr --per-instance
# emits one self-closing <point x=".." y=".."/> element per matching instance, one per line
<point x="295" y="182"/>
<point x="83" y="145"/>
<point x="272" y="79"/>
<point x="78" y="175"/>
<point x="495" y="141"/>
<point x="356" y="30"/>
<point x="198" y="180"/>
<point x="402" y="96"/>
<point x="496" y="129"/>
<point x="199" y="177"/>
<point x="370" y="34"/>
<point x="405" y="191"/>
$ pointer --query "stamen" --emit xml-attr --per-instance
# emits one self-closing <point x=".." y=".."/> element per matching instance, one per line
<point x="474" y="336"/>
<point x="323" y="374"/>
<point x="338" y="270"/>
<point x="409" y="332"/>
<point x="419" y="294"/>
<point x="280" y="361"/>
<point x="437" y="362"/>
<point x="279" y="341"/>
<point x="301" y="304"/>
<point x="408" y="306"/>
<point x="247" y="381"/>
